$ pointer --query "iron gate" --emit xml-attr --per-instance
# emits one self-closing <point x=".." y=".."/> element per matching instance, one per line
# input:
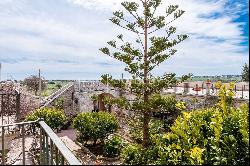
<point x="9" y="106"/>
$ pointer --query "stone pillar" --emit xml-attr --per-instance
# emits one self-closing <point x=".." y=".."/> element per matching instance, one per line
<point x="208" y="88"/>
<point x="242" y="94"/>
<point x="175" y="89"/>
<point x="186" y="87"/>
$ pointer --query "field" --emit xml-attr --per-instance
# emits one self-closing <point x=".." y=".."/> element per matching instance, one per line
<point x="53" y="86"/>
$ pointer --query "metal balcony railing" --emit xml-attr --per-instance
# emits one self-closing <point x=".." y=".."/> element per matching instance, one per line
<point x="47" y="148"/>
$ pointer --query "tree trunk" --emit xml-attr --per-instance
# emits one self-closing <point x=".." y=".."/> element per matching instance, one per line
<point x="146" y="115"/>
<point x="146" y="120"/>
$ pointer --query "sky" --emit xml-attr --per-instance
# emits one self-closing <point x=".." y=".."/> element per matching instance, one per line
<point x="63" y="38"/>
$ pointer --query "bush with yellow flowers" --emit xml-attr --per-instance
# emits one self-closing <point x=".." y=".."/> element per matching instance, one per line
<point x="212" y="136"/>
<point x="180" y="106"/>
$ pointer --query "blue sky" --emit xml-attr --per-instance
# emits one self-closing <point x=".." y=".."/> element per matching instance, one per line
<point x="63" y="37"/>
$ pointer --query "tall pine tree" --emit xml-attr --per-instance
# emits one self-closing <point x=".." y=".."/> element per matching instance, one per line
<point x="142" y="56"/>
<point x="245" y="73"/>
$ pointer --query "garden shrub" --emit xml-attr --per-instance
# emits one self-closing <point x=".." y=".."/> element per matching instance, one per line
<point x="59" y="103"/>
<point x="136" y="154"/>
<point x="132" y="154"/>
<point x="210" y="136"/>
<point x="207" y="137"/>
<point x="135" y="128"/>
<point x="96" y="125"/>
<point x="167" y="109"/>
<point x="165" y="104"/>
<point x="53" y="117"/>
<point x="113" y="145"/>
<point x="199" y="137"/>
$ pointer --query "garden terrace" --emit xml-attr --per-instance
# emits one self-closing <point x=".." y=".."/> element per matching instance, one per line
<point x="35" y="143"/>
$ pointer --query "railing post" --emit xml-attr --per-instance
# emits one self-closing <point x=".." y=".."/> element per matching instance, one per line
<point x="51" y="152"/>
<point x="62" y="160"/>
<point x="57" y="157"/>
<point x="41" y="147"/>
<point x="23" y="144"/>
<point x="3" y="151"/>
<point x="47" y="150"/>
<point x="51" y="142"/>
<point x="44" y="148"/>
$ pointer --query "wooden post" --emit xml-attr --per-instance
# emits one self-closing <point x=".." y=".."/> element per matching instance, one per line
<point x="213" y="88"/>
<point x="40" y="84"/>
<point x="107" y="84"/>
<point x="3" y="108"/>
<point x="109" y="108"/>
<point x="202" y="86"/>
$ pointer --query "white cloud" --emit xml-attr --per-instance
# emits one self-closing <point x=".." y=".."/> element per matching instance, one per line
<point x="206" y="51"/>
<point x="74" y="30"/>
<point x="98" y="4"/>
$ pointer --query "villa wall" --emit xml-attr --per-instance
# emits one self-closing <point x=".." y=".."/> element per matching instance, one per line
<point x="70" y="104"/>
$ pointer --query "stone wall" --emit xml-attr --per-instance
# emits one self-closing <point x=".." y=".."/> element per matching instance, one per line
<point x="70" y="102"/>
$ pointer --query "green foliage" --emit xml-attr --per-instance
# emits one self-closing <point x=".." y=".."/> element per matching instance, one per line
<point x="163" y="104"/>
<point x="120" y="84"/>
<point x="200" y="137"/>
<point x="58" y="85"/>
<point x="225" y="96"/>
<point x="94" y="126"/>
<point x="245" y="73"/>
<point x="166" y="108"/>
<point x="59" y="103"/>
<point x="211" y="136"/>
<point x="144" y="54"/>
<point x="180" y="106"/>
<point x="53" y="117"/>
<point x="113" y="146"/>
<point x="132" y="154"/>
<point x="217" y="138"/>
<point x="32" y="83"/>
<point x="51" y="82"/>
<point x="94" y="97"/>
<point x="136" y="154"/>
<point x="135" y="128"/>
